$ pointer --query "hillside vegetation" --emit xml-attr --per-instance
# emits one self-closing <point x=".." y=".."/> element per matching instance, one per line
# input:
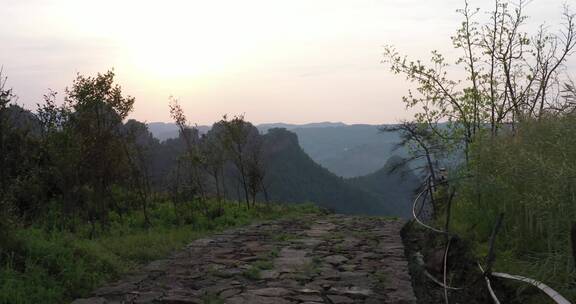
<point x="394" y="186"/>
<point x="295" y="177"/>
<point x="87" y="195"/>
<point x="508" y="105"/>
<point x="528" y="176"/>
<point x="349" y="151"/>
<point x="345" y="150"/>
<point x="43" y="264"/>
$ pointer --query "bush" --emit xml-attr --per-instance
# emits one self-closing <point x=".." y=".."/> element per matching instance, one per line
<point x="531" y="178"/>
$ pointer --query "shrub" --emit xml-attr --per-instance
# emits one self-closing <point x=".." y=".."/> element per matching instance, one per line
<point x="531" y="178"/>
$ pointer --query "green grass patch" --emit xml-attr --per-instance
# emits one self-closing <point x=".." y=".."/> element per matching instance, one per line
<point x="212" y="299"/>
<point x="530" y="177"/>
<point x="283" y="237"/>
<point x="252" y="273"/>
<point x="382" y="279"/>
<point x="274" y="253"/>
<point x="56" y="266"/>
<point x="263" y="264"/>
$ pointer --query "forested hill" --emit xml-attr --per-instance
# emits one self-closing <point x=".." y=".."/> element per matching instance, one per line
<point x="345" y="150"/>
<point x="394" y="189"/>
<point x="290" y="174"/>
<point x="349" y="150"/>
<point x="295" y="177"/>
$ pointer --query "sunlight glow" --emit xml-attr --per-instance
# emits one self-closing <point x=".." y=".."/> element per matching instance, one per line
<point x="270" y="59"/>
<point x="173" y="40"/>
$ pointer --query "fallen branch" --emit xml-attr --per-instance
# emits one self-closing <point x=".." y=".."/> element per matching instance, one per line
<point x="420" y="262"/>
<point x="558" y="298"/>
<point x="573" y="238"/>
<point x="416" y="217"/>
<point x="445" y="276"/>
<point x="492" y="293"/>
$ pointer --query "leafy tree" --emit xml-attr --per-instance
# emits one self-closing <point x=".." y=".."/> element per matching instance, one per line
<point x="241" y="141"/>
<point x="20" y="188"/>
<point x="422" y="144"/>
<point x="138" y="147"/>
<point x="569" y="95"/>
<point x="255" y="168"/>
<point x="188" y="172"/>
<point x="214" y="158"/>
<point x="97" y="109"/>
<point x="6" y="97"/>
<point x="510" y="74"/>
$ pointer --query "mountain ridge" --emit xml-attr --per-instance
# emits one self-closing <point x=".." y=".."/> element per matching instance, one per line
<point x="384" y="192"/>
<point x="347" y="150"/>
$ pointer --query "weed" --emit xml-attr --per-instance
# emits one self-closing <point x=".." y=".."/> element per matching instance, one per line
<point x="210" y="298"/>
<point x="282" y="237"/>
<point x="57" y="266"/>
<point x="252" y="273"/>
<point x="263" y="264"/>
<point x="381" y="278"/>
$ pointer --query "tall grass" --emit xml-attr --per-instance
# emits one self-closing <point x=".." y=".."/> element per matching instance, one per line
<point x="531" y="178"/>
<point x="56" y="266"/>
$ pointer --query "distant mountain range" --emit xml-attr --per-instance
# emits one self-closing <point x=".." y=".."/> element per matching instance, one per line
<point x="341" y="167"/>
<point x="345" y="150"/>
<point x="326" y="124"/>
<point x="349" y="150"/>
<point x="167" y="130"/>
<point x="302" y="160"/>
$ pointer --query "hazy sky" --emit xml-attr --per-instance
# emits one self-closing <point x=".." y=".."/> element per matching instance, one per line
<point x="293" y="61"/>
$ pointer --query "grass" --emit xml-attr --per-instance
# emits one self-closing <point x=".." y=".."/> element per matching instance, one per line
<point x="382" y="279"/>
<point x="56" y="266"/>
<point x="212" y="299"/>
<point x="263" y="264"/>
<point x="530" y="177"/>
<point x="308" y="271"/>
<point x="274" y="252"/>
<point x="283" y="237"/>
<point x="252" y="273"/>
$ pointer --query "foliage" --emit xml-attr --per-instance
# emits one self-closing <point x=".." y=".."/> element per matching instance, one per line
<point x="510" y="75"/>
<point x="56" y="266"/>
<point x="422" y="143"/>
<point x="188" y="181"/>
<point x="242" y="144"/>
<point x="231" y="149"/>
<point x="530" y="178"/>
<point x="81" y="200"/>
<point x="512" y="115"/>
<point x="294" y="177"/>
<point x="96" y="113"/>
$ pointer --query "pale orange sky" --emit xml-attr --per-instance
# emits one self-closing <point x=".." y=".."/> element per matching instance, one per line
<point x="291" y="61"/>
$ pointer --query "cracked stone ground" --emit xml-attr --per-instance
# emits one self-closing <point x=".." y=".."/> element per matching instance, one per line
<point x="316" y="259"/>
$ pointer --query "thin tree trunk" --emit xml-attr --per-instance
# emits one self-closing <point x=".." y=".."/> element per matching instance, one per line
<point x="224" y="193"/>
<point x="573" y="238"/>
<point x="217" y="181"/>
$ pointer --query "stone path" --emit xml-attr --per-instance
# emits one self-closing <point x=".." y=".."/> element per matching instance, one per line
<point x="317" y="259"/>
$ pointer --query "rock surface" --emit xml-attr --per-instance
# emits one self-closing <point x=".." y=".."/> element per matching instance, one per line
<point x="315" y="259"/>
